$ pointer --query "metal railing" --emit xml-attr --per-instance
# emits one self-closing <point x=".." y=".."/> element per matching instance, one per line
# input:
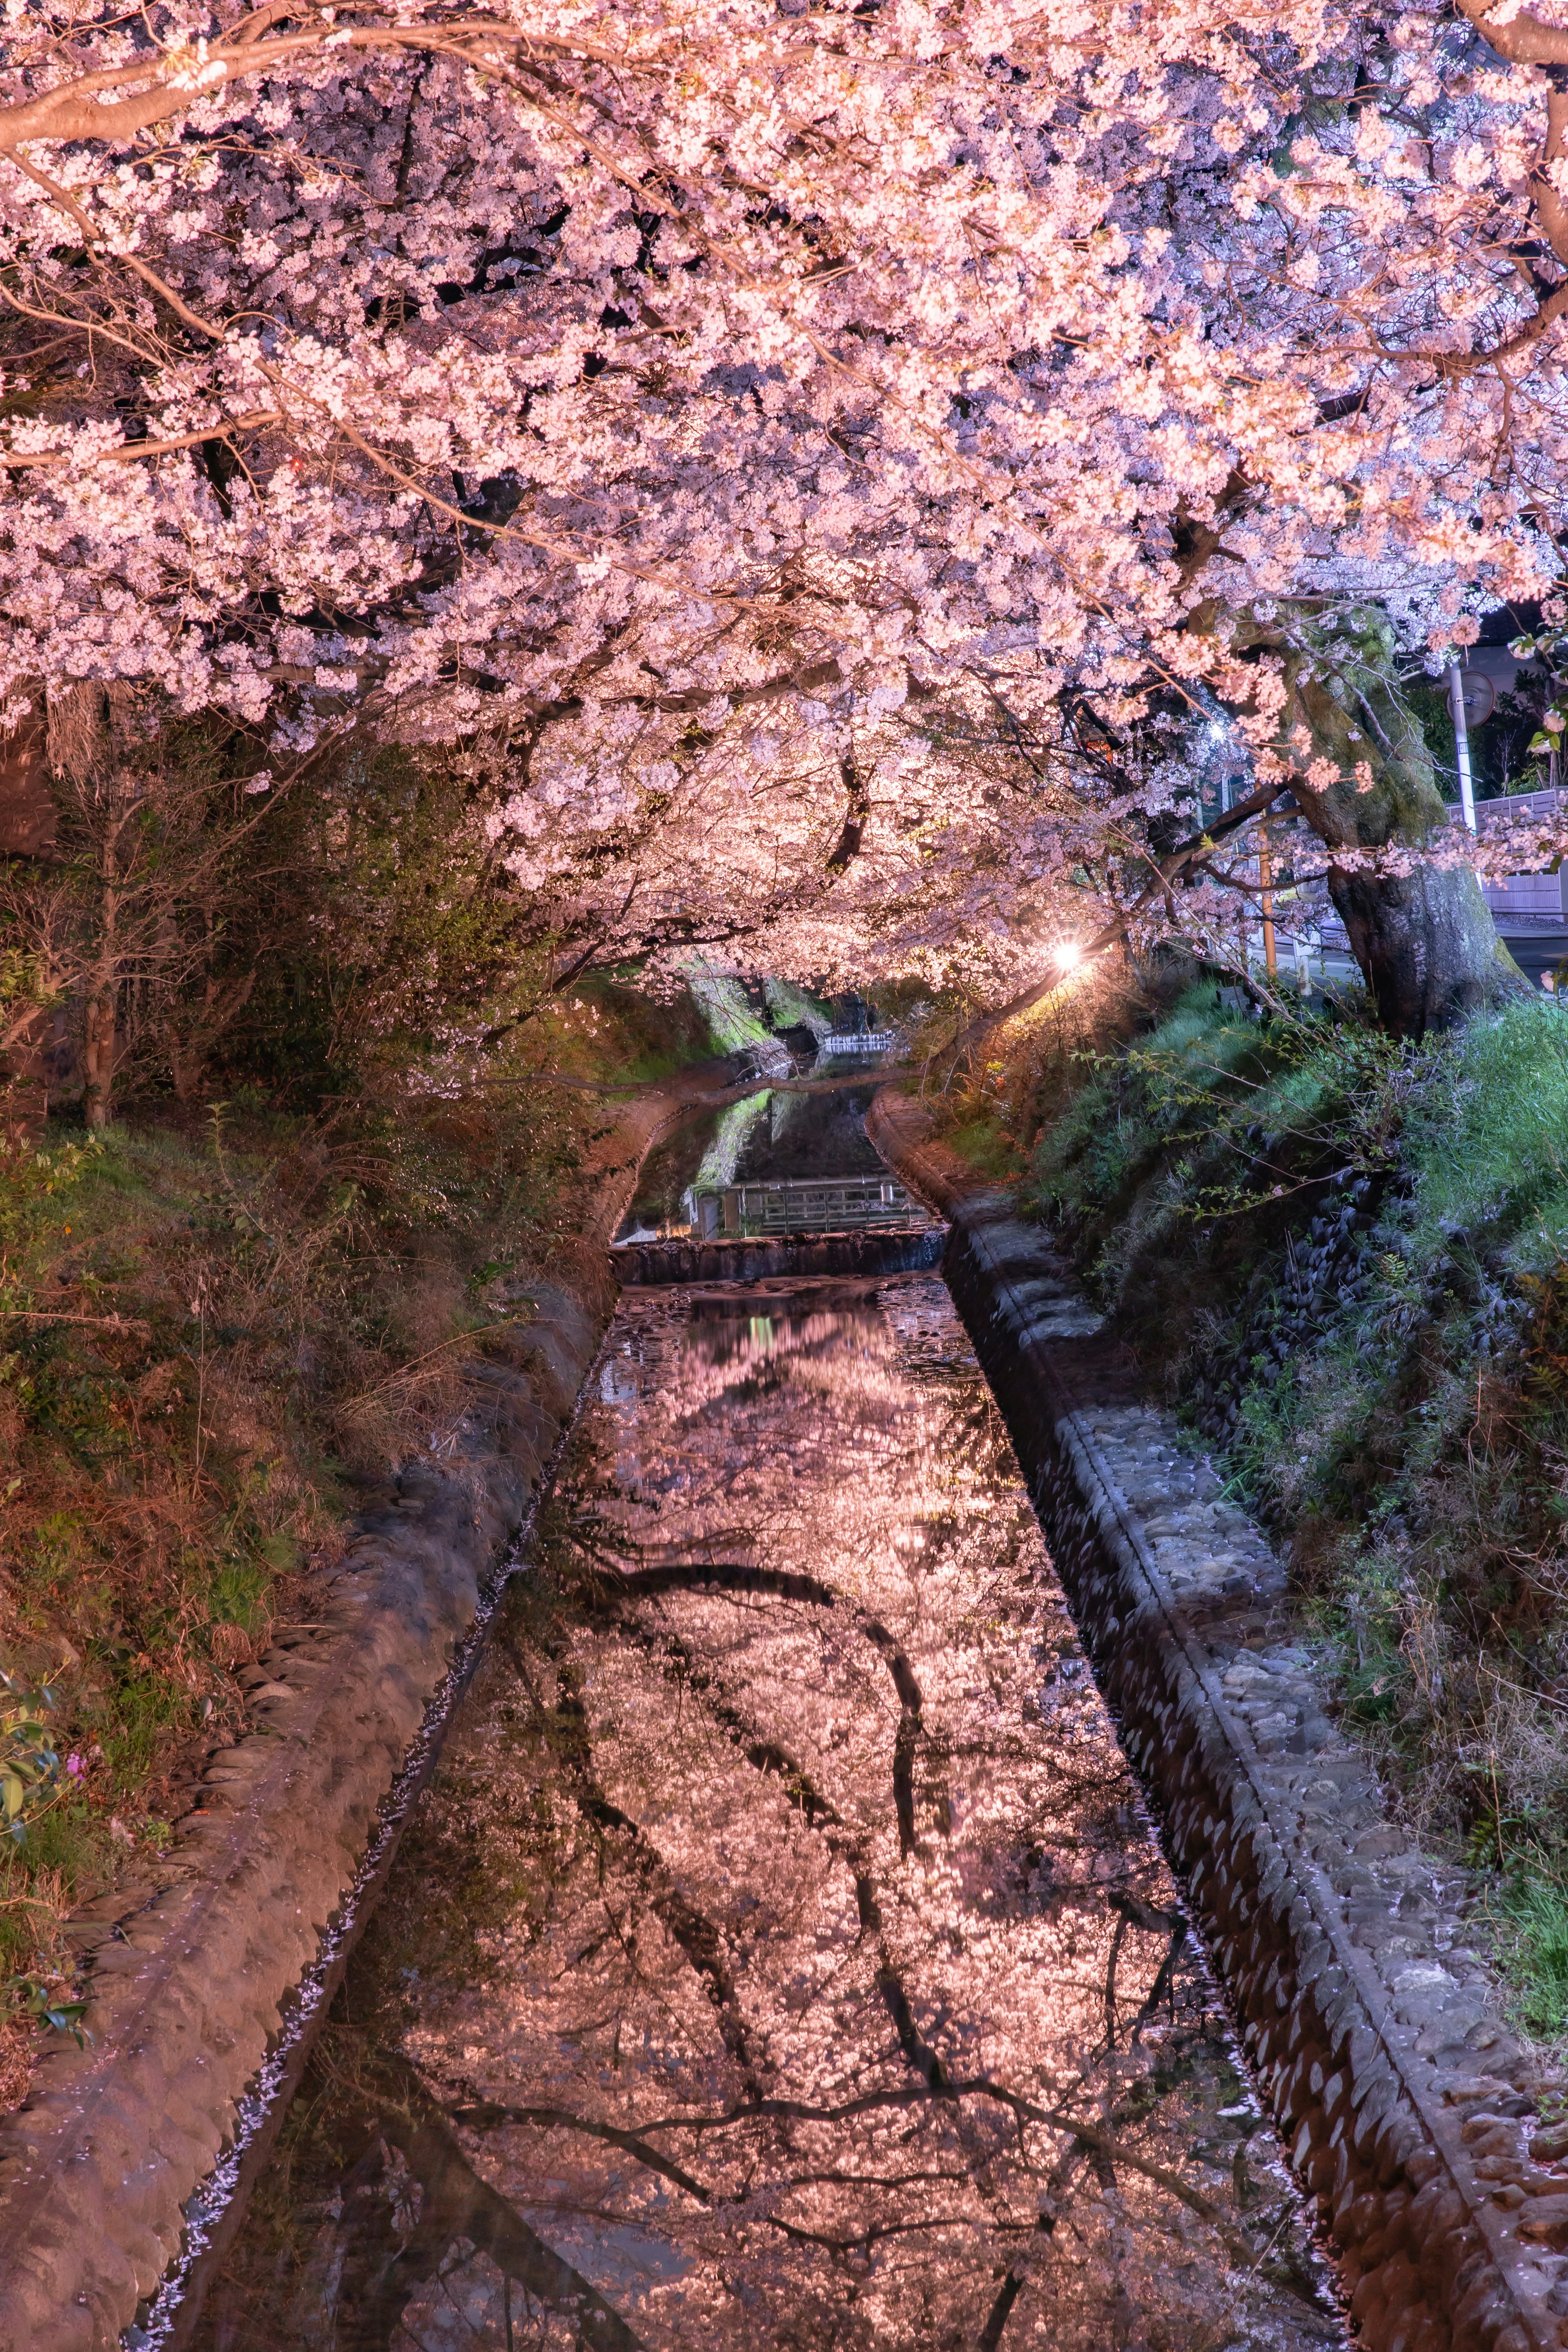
<point x="805" y="1204"/>
<point x="1539" y="901"/>
<point x="858" y="1041"/>
<point x="1537" y="804"/>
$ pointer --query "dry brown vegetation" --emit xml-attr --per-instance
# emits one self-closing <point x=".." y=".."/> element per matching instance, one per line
<point x="993" y="1098"/>
<point x="219" y="1335"/>
<point x="286" y="1037"/>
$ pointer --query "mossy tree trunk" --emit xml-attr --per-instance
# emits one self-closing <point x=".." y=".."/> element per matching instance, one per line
<point x="1424" y="938"/>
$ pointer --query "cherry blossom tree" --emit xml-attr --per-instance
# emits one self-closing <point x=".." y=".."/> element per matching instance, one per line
<point x="801" y="456"/>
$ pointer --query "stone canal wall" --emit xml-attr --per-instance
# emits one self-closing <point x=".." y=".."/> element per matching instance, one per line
<point x="1372" y="2022"/>
<point x="203" y="1984"/>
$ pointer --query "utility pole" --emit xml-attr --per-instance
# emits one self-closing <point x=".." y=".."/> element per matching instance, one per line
<point x="1266" y="879"/>
<point x="1461" y="744"/>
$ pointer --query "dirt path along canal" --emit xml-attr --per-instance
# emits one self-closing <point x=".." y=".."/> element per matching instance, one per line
<point x="781" y="1958"/>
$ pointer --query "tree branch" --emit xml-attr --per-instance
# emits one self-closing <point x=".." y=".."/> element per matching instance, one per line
<point x="179" y="77"/>
<point x="1166" y="870"/>
<point x="252" y="421"/>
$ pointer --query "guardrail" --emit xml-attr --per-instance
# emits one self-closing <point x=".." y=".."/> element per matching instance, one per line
<point x="1539" y="901"/>
<point x="809" y="1204"/>
<point x="1543" y="804"/>
<point x="858" y="1041"/>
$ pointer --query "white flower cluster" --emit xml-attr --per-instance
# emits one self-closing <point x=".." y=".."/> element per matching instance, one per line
<point x="738" y="416"/>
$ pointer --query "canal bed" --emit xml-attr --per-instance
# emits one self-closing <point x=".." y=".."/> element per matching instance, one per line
<point x="781" y="1957"/>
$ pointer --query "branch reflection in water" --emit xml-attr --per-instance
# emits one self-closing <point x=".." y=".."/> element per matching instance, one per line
<point x="781" y="1959"/>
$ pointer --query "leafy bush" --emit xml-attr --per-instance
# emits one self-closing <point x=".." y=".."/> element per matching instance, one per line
<point x="30" y="1181"/>
<point x="29" y="1761"/>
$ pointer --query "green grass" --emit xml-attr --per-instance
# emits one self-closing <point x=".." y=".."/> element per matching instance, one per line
<point x="1400" y="1419"/>
<point x="989" y="1144"/>
<point x="790" y="1007"/>
<point x="1534" y="1918"/>
<point x="724" y="1006"/>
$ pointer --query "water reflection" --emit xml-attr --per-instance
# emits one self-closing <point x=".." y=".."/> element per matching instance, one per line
<point x="781" y="1959"/>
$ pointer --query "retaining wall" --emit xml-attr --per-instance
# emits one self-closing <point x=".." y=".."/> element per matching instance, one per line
<point x="195" y="1976"/>
<point x="1370" y="2019"/>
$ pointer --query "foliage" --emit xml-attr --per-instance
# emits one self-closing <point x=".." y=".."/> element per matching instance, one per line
<point x="993" y="1105"/>
<point x="1347" y="1260"/>
<point x="39" y="1998"/>
<point x="29" y="1760"/>
<point x="1236" y="1116"/>
<point x="987" y="1144"/>
<point x="28" y="1180"/>
<point x="218" y="1337"/>
<point x="310" y="943"/>
<point x="794" y="1008"/>
<point x="723" y="1002"/>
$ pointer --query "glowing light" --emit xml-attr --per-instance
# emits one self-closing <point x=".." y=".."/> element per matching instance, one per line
<point x="1069" y="955"/>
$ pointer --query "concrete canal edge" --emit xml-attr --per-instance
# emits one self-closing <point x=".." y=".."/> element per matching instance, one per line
<point x="196" y="1978"/>
<point x="1372" y="2027"/>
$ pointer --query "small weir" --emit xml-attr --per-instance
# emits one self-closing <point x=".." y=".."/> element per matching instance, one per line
<point x="734" y="1204"/>
<point x="781" y="1958"/>
<point x="896" y="1250"/>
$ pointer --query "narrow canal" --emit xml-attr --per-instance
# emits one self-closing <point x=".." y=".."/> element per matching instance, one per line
<point x="781" y="1958"/>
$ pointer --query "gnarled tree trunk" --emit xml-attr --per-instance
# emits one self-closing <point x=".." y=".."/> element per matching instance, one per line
<point x="1424" y="940"/>
<point x="1426" y="946"/>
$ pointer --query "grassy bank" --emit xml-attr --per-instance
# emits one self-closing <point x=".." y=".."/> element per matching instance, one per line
<point x="220" y="1331"/>
<point x="1345" y="1261"/>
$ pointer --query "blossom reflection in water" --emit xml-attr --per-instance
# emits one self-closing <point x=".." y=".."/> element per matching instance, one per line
<point x="781" y="1959"/>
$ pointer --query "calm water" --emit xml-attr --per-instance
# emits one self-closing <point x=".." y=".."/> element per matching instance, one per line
<point x="769" y="1136"/>
<point x="781" y="1959"/>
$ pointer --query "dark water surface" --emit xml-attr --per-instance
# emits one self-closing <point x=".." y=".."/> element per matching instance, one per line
<point x="781" y="1959"/>
<point x="771" y="1136"/>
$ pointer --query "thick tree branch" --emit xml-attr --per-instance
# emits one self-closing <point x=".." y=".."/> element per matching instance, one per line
<point x="251" y="422"/>
<point x="1524" y="39"/>
<point x="1166" y="870"/>
<point x="847" y="847"/>
<point x="176" y="78"/>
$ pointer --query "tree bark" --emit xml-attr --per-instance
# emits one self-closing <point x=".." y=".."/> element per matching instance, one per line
<point x="101" y="1041"/>
<point x="1427" y="947"/>
<point x="28" y="827"/>
<point x="30" y="820"/>
<point x="100" y="1055"/>
<point x="1425" y="941"/>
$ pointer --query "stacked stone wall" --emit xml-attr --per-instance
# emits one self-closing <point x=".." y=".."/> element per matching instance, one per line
<point x="1372" y="2020"/>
